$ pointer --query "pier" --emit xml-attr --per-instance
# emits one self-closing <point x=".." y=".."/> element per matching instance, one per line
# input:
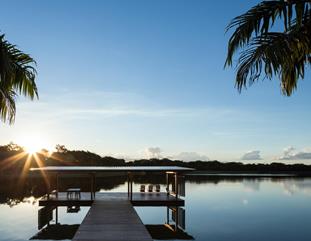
<point x="138" y="199"/>
<point x="112" y="215"/>
<point x="114" y="220"/>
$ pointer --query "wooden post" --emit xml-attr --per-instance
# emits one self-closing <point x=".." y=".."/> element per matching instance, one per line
<point x="57" y="185"/>
<point x="56" y="215"/>
<point x="49" y="185"/>
<point x="176" y="185"/>
<point x="91" y="187"/>
<point x="176" y="220"/>
<point x="94" y="185"/>
<point x="167" y="184"/>
<point x="131" y="187"/>
<point x="128" y="185"/>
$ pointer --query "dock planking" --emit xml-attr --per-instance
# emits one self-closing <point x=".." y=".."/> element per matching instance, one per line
<point x="112" y="220"/>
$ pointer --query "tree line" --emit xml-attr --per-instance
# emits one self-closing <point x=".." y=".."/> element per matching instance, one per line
<point x="14" y="159"/>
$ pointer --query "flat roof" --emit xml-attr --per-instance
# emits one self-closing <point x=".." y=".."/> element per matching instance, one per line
<point x="112" y="169"/>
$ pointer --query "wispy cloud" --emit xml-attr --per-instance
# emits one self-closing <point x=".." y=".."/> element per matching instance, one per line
<point x="81" y="105"/>
<point x="251" y="156"/>
<point x="290" y="153"/>
<point x="153" y="152"/>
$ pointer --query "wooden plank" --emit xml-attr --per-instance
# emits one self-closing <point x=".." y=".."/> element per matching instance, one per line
<point x="113" y="220"/>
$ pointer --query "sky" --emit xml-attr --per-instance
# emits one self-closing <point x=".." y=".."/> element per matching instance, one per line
<point x="140" y="79"/>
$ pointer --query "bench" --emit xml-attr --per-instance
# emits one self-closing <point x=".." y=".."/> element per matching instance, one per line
<point x="73" y="193"/>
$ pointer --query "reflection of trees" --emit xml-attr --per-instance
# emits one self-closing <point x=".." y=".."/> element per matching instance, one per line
<point x="215" y="179"/>
<point x="301" y="185"/>
<point x="14" y="190"/>
<point x="201" y="179"/>
<point x="251" y="184"/>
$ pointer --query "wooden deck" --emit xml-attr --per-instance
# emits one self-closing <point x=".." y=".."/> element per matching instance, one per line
<point x="138" y="199"/>
<point x="113" y="220"/>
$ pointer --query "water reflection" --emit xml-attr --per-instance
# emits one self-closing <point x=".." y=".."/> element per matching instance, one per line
<point x="167" y="232"/>
<point x="172" y="229"/>
<point x="217" y="208"/>
<point x="56" y="232"/>
<point x="293" y="186"/>
<point x="13" y="192"/>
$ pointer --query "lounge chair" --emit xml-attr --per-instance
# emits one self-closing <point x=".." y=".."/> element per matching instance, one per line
<point x="150" y="188"/>
<point x="158" y="188"/>
<point x="142" y="188"/>
<point x="73" y="193"/>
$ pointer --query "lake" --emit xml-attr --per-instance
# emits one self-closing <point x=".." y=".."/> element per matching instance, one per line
<point x="216" y="208"/>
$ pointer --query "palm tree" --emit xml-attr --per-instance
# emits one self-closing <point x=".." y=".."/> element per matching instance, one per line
<point x="267" y="52"/>
<point x="17" y="77"/>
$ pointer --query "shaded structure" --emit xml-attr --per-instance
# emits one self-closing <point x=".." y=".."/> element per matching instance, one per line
<point x="175" y="190"/>
<point x="112" y="216"/>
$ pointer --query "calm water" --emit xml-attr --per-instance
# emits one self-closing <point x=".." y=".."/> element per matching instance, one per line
<point x="216" y="209"/>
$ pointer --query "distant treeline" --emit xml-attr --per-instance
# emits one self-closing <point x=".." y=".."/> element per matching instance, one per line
<point x="13" y="159"/>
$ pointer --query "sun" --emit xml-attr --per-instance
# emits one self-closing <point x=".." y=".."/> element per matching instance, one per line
<point x="32" y="143"/>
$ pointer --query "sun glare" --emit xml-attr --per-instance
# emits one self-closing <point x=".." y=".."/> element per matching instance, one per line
<point x="32" y="146"/>
<point x="32" y="143"/>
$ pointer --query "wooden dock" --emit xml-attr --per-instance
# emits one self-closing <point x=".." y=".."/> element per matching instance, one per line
<point x="112" y="220"/>
<point x="138" y="199"/>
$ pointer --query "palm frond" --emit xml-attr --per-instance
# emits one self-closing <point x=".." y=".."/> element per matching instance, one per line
<point x="17" y="76"/>
<point x="257" y="20"/>
<point x="275" y="54"/>
<point x="284" y="54"/>
<point x="7" y="103"/>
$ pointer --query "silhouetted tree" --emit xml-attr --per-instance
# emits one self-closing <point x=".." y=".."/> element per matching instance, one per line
<point x="11" y="147"/>
<point x="61" y="148"/>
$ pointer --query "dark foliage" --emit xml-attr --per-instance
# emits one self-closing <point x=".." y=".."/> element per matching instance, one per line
<point x="13" y="159"/>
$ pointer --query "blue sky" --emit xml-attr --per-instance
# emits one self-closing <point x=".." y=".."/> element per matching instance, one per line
<point x="145" y="78"/>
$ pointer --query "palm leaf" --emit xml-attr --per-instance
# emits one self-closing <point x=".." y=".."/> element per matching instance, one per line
<point x="17" y="76"/>
<point x="275" y="54"/>
<point x="265" y="53"/>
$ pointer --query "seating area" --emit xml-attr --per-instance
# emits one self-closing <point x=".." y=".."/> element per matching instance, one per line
<point x="151" y="188"/>
<point x="73" y="193"/>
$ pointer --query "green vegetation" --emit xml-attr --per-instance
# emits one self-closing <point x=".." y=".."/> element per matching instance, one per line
<point x="268" y="50"/>
<point x="17" y="77"/>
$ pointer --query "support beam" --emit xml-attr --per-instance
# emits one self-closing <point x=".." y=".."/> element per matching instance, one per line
<point x="176" y="185"/>
<point x="56" y="215"/>
<point x="128" y="185"/>
<point x="94" y="185"/>
<point x="131" y="187"/>
<point x="176" y="219"/>
<point x="167" y="184"/>
<point x="92" y="188"/>
<point x="57" y="185"/>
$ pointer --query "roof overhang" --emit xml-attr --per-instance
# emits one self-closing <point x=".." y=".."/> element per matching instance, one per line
<point x="94" y="169"/>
